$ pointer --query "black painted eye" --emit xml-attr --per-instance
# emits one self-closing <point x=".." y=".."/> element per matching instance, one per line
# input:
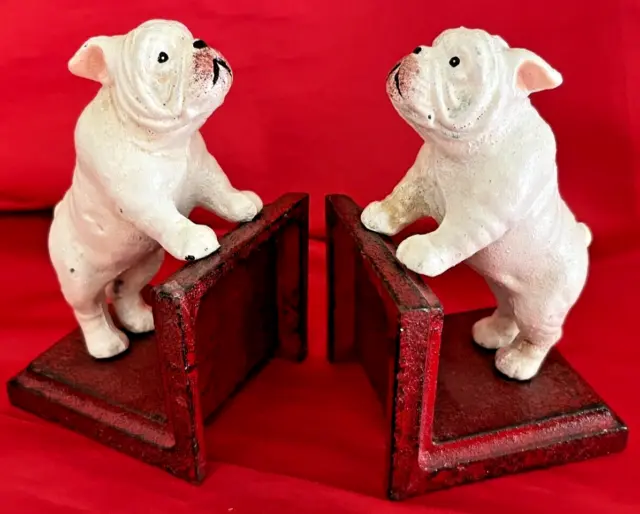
<point x="162" y="57"/>
<point x="454" y="61"/>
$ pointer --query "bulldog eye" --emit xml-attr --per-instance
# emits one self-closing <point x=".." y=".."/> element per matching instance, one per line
<point x="454" y="61"/>
<point x="162" y="57"/>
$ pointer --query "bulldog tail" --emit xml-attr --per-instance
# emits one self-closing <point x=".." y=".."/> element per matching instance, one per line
<point x="588" y="236"/>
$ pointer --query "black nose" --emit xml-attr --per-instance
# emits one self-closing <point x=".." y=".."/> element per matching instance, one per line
<point x="417" y="50"/>
<point x="199" y="44"/>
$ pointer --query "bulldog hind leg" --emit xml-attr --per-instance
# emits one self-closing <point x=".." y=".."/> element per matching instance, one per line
<point x="521" y="360"/>
<point x="540" y="312"/>
<point x="540" y="324"/>
<point x="500" y="329"/>
<point x="83" y="287"/>
<point x="132" y="311"/>
<point x="85" y="294"/>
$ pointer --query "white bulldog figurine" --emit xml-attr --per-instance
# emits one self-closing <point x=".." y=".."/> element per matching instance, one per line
<point x="487" y="174"/>
<point x="141" y="167"/>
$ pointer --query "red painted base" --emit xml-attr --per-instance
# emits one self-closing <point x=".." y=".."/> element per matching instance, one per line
<point x="451" y="417"/>
<point x="217" y="321"/>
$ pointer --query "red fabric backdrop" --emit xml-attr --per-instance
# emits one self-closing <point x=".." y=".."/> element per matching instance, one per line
<point x="308" y="112"/>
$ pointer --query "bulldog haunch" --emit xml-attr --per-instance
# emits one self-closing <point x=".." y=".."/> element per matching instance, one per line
<point x="487" y="174"/>
<point x="141" y="168"/>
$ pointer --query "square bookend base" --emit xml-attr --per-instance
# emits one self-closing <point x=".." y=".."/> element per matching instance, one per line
<point x="119" y="402"/>
<point x="486" y="425"/>
<point x="451" y="417"/>
<point x="217" y="321"/>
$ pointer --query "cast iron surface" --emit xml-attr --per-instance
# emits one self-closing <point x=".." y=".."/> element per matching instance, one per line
<point x="463" y="409"/>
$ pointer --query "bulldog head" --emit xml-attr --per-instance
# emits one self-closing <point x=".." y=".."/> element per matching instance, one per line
<point x="161" y="76"/>
<point x="465" y="83"/>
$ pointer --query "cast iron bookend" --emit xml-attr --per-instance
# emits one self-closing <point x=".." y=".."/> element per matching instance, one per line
<point x="217" y="321"/>
<point x="451" y="417"/>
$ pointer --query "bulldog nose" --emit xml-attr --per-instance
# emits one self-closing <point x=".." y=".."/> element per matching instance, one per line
<point x="417" y="50"/>
<point x="198" y="44"/>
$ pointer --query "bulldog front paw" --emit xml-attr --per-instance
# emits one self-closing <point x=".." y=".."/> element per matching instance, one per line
<point x="198" y="241"/>
<point x="257" y="201"/>
<point x="418" y="254"/>
<point x="377" y="219"/>
<point x="244" y="206"/>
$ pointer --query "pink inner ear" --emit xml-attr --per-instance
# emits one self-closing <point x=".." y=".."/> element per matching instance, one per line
<point x="534" y="77"/>
<point x="90" y="63"/>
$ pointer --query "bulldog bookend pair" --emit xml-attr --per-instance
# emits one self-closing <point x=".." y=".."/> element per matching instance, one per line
<point x="486" y="173"/>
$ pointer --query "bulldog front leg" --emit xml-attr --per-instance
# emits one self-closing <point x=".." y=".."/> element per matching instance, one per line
<point x="456" y="239"/>
<point x="83" y="287"/>
<point x="177" y="234"/>
<point x="215" y="193"/>
<point x="408" y="202"/>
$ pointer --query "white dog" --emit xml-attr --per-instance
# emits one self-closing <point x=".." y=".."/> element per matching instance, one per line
<point x="141" y="167"/>
<point x="487" y="174"/>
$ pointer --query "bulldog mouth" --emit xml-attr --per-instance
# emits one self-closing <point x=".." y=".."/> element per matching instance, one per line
<point x="394" y="69"/>
<point x="217" y="63"/>
<point x="396" y="79"/>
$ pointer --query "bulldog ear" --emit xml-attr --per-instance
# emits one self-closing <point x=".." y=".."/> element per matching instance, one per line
<point x="532" y="73"/>
<point x="91" y="60"/>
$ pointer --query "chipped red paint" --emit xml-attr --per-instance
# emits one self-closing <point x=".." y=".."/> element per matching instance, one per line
<point x="451" y="417"/>
<point x="151" y="402"/>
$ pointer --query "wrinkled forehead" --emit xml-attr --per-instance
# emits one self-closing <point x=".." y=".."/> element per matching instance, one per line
<point x="160" y="35"/>
<point x="471" y="40"/>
